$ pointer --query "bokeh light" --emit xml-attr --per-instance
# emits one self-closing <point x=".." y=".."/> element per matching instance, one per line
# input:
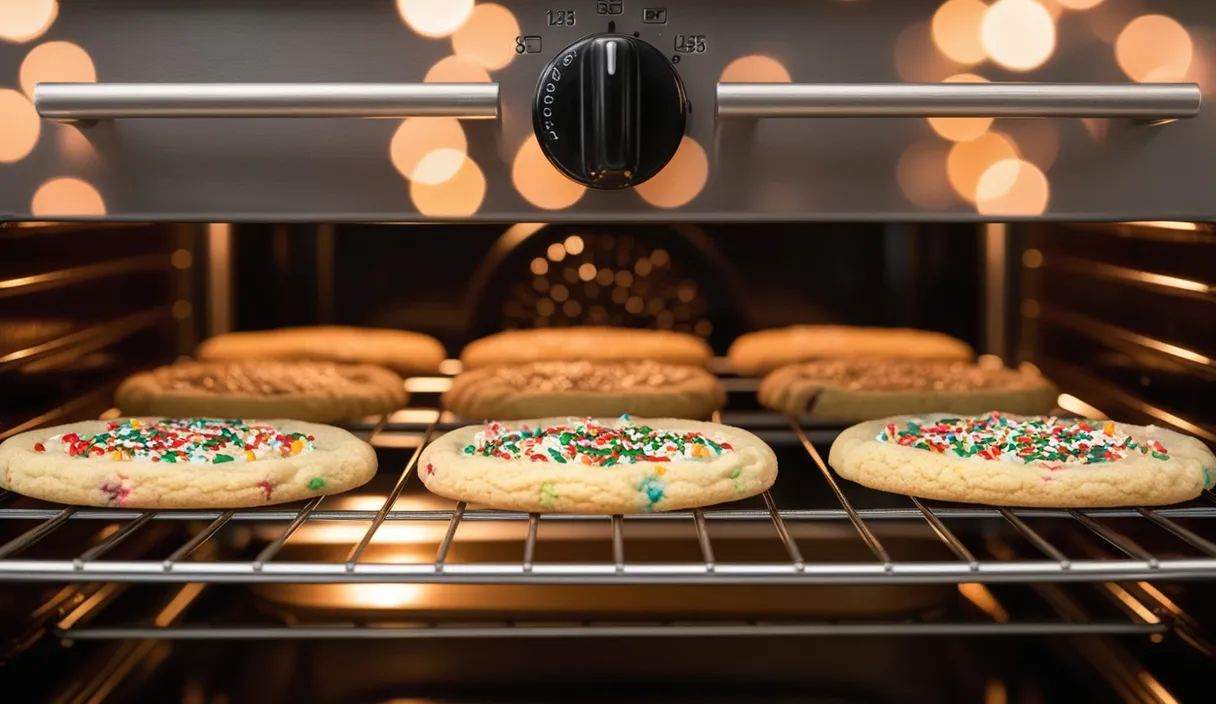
<point x="1018" y="34"/>
<point x="961" y="129"/>
<point x="488" y="37"/>
<point x="20" y="126"/>
<point x="456" y="69"/>
<point x="56" y="62"/>
<point x="1012" y="187"/>
<point x="968" y="161"/>
<point x="23" y="20"/>
<point x="74" y="147"/>
<point x="681" y="180"/>
<point x="755" y="68"/>
<point x="418" y="138"/>
<point x="1154" y="48"/>
<point x="457" y="197"/>
<point x="1038" y="140"/>
<point x="67" y="197"/>
<point x="956" y="30"/>
<point x="1079" y="4"/>
<point x="921" y="174"/>
<point x="539" y="182"/>
<point x="435" y="18"/>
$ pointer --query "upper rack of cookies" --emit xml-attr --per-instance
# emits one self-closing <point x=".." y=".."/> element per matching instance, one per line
<point x="597" y="420"/>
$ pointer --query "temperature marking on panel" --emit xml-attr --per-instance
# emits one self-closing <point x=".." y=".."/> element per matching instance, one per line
<point x="609" y="8"/>
<point x="654" y="15"/>
<point x="527" y="45"/>
<point x="560" y="18"/>
<point x="690" y="43"/>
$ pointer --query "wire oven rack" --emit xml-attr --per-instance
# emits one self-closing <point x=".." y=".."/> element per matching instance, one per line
<point x="1134" y="564"/>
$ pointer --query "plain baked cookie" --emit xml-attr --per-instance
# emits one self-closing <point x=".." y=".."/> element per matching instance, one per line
<point x="184" y="463"/>
<point x="599" y="466"/>
<point x="581" y="389"/>
<point x="761" y="352"/>
<point x="588" y="343"/>
<point x="1024" y="461"/>
<point x="318" y="392"/>
<point x="860" y="389"/>
<point x="400" y="350"/>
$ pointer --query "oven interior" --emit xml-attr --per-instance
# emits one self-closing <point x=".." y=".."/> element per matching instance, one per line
<point x="819" y="591"/>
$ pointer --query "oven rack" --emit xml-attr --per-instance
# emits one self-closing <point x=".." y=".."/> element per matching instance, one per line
<point x="1134" y="563"/>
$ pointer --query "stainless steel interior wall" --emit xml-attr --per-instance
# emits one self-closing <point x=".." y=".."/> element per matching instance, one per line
<point x="878" y="169"/>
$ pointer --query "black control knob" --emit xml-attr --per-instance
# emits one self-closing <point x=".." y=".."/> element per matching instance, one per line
<point x="609" y="111"/>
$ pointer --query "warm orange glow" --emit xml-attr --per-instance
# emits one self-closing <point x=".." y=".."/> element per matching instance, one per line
<point x="539" y="182"/>
<point x="488" y="37"/>
<point x="435" y="18"/>
<point x="681" y="180"/>
<point x="956" y="30"/>
<point x="1012" y="187"/>
<point x="968" y="161"/>
<point x="67" y="197"/>
<point x="921" y="174"/>
<point x="419" y="138"/>
<point x="1018" y="34"/>
<point x="23" y="20"/>
<point x="754" y="68"/>
<point x="19" y="126"/>
<point x="74" y="147"/>
<point x="457" y="197"/>
<point x="1079" y="4"/>
<point x="916" y="59"/>
<point x="1037" y="140"/>
<point x="1154" y="48"/>
<point x="574" y="244"/>
<point x="961" y="129"/>
<point x="456" y="69"/>
<point x="56" y="62"/>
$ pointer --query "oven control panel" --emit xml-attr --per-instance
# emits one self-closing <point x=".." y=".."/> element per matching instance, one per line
<point x="608" y="110"/>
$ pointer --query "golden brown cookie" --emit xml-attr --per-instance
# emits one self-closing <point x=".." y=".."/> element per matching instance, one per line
<point x="184" y="463"/>
<point x="761" y="352"/>
<point x="601" y="466"/>
<point x="405" y="352"/>
<point x="319" y="392"/>
<point x="590" y="343"/>
<point x="542" y="389"/>
<point x="861" y="389"/>
<point x="1013" y="460"/>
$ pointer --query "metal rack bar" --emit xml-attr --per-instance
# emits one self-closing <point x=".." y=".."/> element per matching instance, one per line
<point x="441" y="556"/>
<point x="707" y="550"/>
<point x="618" y="543"/>
<point x="373" y="632"/>
<point x="356" y="552"/>
<point x="1035" y="539"/>
<point x="870" y="539"/>
<point x="36" y="533"/>
<point x="791" y="548"/>
<point x="956" y="546"/>
<point x="111" y="542"/>
<point x="90" y="338"/>
<point x="530" y="542"/>
<point x="267" y="554"/>
<point x="74" y="276"/>
<point x="1198" y="542"/>
<point x="201" y="537"/>
<point x="1124" y="544"/>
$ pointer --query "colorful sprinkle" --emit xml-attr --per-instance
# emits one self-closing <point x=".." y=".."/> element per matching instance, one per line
<point x="316" y="484"/>
<point x="652" y="488"/>
<point x="192" y="440"/>
<point x="548" y="495"/>
<point x="589" y="442"/>
<point x="1048" y="441"/>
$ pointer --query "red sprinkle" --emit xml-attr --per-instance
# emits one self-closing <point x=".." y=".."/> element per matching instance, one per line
<point x="39" y="447"/>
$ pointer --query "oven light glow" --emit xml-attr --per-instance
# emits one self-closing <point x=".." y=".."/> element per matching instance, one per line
<point x="62" y="197"/>
<point x="1168" y="225"/>
<point x="458" y="197"/>
<point x="968" y="161"/>
<point x="27" y="19"/>
<point x="539" y="182"/>
<point x="1012" y="187"/>
<point x="755" y="68"/>
<point x="961" y="129"/>
<point x="956" y="30"/>
<point x="1079" y="4"/>
<point x="456" y="69"/>
<point x="438" y="165"/>
<point x="681" y="180"/>
<point x="1018" y="34"/>
<point x="435" y="18"/>
<point x="1072" y="404"/>
<point x="418" y="138"/>
<point x="56" y="62"/>
<point x="1154" y="48"/>
<point x="488" y="37"/>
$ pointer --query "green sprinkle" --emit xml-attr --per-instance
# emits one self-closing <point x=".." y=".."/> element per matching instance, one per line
<point x="316" y="484"/>
<point x="220" y="459"/>
<point x="735" y="474"/>
<point x="548" y="495"/>
<point x="469" y="450"/>
<point x="557" y="456"/>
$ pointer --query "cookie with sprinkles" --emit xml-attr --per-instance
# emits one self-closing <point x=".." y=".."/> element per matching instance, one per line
<point x="760" y="352"/>
<point x="1005" y="459"/>
<point x="164" y="463"/>
<point x="597" y="465"/>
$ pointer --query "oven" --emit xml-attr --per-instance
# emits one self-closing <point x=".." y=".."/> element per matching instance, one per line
<point x="1026" y="175"/>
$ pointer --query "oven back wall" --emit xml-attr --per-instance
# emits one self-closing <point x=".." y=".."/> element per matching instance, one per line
<point x="880" y="169"/>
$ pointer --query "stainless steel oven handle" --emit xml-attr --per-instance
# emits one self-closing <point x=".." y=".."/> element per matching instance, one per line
<point x="107" y="101"/>
<point x="1138" y="101"/>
